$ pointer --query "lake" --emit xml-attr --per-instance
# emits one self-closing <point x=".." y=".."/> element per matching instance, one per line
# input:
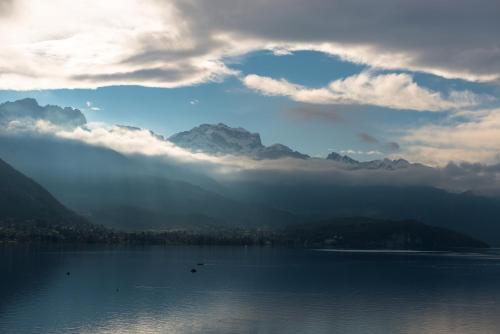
<point x="246" y="290"/>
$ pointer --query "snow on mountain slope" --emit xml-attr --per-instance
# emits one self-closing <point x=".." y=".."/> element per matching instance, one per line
<point x="387" y="164"/>
<point x="222" y="139"/>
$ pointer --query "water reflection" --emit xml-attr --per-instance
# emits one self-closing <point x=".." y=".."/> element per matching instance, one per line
<point x="247" y="290"/>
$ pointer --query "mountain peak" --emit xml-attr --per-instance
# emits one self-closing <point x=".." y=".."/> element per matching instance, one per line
<point x="342" y="158"/>
<point x="386" y="164"/>
<point x="372" y="164"/>
<point x="218" y="139"/>
<point x="28" y="111"/>
<point x="223" y="139"/>
<point x="276" y="151"/>
<point x="28" y="102"/>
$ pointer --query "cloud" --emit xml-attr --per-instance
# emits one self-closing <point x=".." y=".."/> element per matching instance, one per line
<point x="90" y="106"/>
<point x="451" y="38"/>
<point x="366" y="138"/>
<point x="358" y="152"/>
<point x="131" y="140"/>
<point x="392" y="146"/>
<point x="383" y="147"/>
<point x="467" y="136"/>
<point x="317" y="112"/>
<point x="159" y="43"/>
<point x="474" y="138"/>
<point x="141" y="142"/>
<point x="89" y="44"/>
<point x="397" y="91"/>
<point x="6" y="7"/>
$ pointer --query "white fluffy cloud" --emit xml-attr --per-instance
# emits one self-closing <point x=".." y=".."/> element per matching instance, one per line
<point x="137" y="141"/>
<point x="397" y="91"/>
<point x="473" y="140"/>
<point x="129" y="140"/>
<point x="86" y="44"/>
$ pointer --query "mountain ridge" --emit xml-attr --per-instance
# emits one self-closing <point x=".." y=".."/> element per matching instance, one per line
<point x="29" y="213"/>
<point x="213" y="139"/>
<point x="29" y="110"/>
<point x="99" y="182"/>
<point x="222" y="139"/>
<point x="387" y="164"/>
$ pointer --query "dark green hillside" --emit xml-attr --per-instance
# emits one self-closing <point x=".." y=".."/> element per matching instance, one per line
<point x="22" y="199"/>
<point x="30" y="213"/>
<point x="367" y="233"/>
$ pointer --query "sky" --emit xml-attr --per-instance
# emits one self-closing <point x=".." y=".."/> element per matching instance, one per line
<point x="412" y="79"/>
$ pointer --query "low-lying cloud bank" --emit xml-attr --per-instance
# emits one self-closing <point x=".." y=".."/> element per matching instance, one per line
<point x="457" y="177"/>
<point x="473" y="138"/>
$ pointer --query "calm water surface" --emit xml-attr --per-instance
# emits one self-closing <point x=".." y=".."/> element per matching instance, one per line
<point x="246" y="290"/>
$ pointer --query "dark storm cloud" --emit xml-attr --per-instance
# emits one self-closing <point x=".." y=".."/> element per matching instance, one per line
<point x="452" y="35"/>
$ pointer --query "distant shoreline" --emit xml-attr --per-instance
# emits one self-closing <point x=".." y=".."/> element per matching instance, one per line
<point x="340" y="233"/>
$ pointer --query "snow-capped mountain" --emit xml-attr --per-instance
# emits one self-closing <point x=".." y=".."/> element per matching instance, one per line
<point x="373" y="164"/>
<point x="342" y="158"/>
<point x="220" y="139"/>
<point x="276" y="151"/>
<point x="214" y="139"/>
<point x="386" y="164"/>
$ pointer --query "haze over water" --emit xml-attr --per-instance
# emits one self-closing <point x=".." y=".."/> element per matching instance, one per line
<point x="246" y="290"/>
